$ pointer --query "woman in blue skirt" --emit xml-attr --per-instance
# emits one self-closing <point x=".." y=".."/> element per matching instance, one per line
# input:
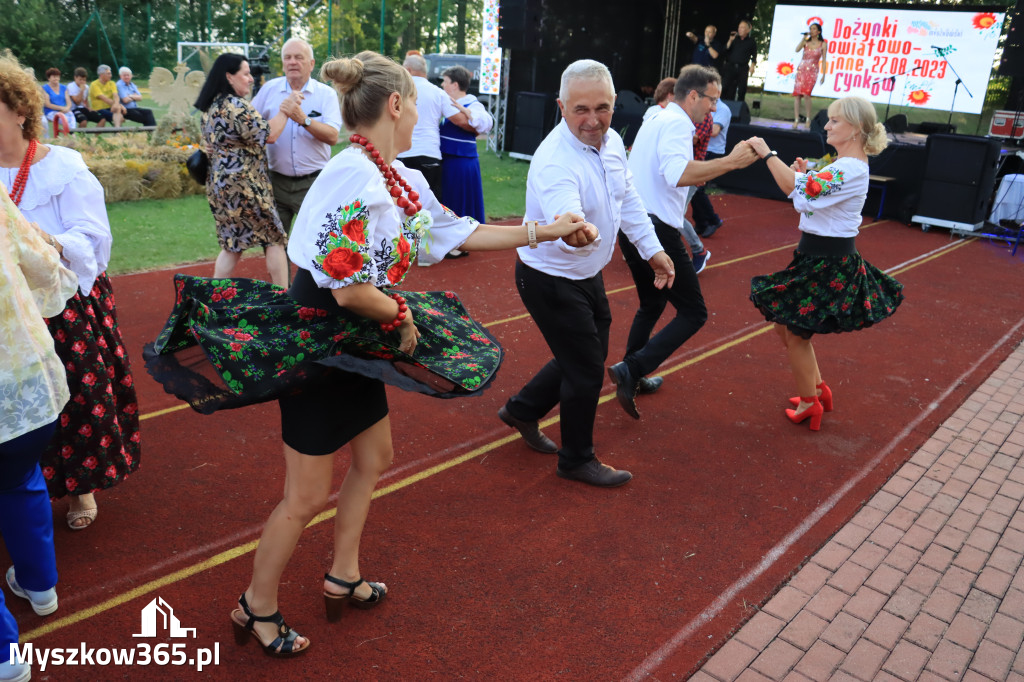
<point x="827" y="288"/>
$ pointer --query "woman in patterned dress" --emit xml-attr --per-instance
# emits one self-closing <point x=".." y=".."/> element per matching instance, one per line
<point x="827" y="288"/>
<point x="238" y="187"/>
<point x="360" y="227"/>
<point x="97" y="441"/>
<point x="815" y="52"/>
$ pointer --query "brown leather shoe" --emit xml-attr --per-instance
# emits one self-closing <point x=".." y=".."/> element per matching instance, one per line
<point x="597" y="474"/>
<point x="530" y="432"/>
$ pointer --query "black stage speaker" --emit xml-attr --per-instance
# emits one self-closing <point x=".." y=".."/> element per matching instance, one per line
<point x="519" y="24"/>
<point x="534" y="118"/>
<point x="933" y="127"/>
<point x="959" y="177"/>
<point x="817" y="124"/>
<point x="628" y="115"/>
<point x="896" y="124"/>
<point x="739" y="109"/>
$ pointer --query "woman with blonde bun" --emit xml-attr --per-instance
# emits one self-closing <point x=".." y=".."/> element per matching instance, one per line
<point x="343" y="331"/>
<point x="827" y="288"/>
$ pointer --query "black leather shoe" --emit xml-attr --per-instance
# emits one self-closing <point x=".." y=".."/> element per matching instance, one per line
<point x="530" y="431"/>
<point x="625" y="388"/>
<point x="649" y="385"/>
<point x="595" y="473"/>
<point x="710" y="230"/>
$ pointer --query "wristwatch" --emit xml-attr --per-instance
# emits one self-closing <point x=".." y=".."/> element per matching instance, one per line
<point x="769" y="155"/>
<point x="308" y="122"/>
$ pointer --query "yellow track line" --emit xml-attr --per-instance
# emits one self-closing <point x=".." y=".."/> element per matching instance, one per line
<point x="329" y="514"/>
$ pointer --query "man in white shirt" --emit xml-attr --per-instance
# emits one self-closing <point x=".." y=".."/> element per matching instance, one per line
<point x="307" y="113"/>
<point x="662" y="96"/>
<point x="579" y="167"/>
<point x="433" y="106"/>
<point x="664" y="170"/>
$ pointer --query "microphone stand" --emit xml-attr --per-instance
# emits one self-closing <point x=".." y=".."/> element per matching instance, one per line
<point x="942" y="53"/>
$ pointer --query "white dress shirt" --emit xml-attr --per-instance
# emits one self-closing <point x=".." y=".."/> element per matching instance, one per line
<point x="567" y="175"/>
<point x="296" y="152"/>
<point x="433" y="105"/>
<point x="661" y="150"/>
<point x="479" y="118"/>
<point x="653" y="111"/>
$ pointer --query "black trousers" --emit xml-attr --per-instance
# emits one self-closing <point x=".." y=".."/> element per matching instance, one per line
<point x="734" y="81"/>
<point x="431" y="169"/>
<point x="574" y="317"/>
<point x="704" y="215"/>
<point x="140" y="115"/>
<point x="645" y="352"/>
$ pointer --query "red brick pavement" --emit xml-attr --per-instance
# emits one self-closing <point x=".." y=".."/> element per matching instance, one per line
<point x="926" y="580"/>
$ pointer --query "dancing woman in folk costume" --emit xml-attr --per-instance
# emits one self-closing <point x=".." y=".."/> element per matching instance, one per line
<point x="827" y="288"/>
<point x="326" y="346"/>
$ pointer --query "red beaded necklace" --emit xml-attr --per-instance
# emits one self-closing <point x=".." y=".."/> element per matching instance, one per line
<point x="395" y="182"/>
<point x="22" y="178"/>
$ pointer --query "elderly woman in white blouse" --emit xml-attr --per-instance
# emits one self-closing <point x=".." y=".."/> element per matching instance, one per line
<point x="33" y="285"/>
<point x="97" y="440"/>
<point x="827" y="288"/>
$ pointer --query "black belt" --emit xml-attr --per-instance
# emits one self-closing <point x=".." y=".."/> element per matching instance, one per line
<point x="298" y="177"/>
<point x="816" y="245"/>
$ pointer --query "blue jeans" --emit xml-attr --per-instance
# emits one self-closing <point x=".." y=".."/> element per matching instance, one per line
<point x="26" y="522"/>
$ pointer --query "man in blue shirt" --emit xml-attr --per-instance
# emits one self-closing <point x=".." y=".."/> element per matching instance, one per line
<point x="130" y="97"/>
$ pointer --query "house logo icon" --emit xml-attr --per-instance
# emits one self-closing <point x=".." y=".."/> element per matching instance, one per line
<point x="159" y="609"/>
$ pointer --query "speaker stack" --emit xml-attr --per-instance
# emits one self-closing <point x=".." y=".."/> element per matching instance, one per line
<point x="959" y="177"/>
<point x="534" y="117"/>
<point x="740" y="112"/>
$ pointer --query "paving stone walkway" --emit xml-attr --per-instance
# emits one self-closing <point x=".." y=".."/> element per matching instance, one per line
<point x="926" y="581"/>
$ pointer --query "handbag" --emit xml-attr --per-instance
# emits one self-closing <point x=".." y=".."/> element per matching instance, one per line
<point x="198" y="166"/>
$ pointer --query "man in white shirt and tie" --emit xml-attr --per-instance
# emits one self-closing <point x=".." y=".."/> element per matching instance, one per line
<point x="665" y="174"/>
<point x="433" y="106"/>
<point x="579" y="167"/>
<point x="307" y="113"/>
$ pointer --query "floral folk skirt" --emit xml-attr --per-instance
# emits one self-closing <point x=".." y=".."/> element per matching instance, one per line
<point x="96" y="444"/>
<point x="826" y="289"/>
<point x="235" y="342"/>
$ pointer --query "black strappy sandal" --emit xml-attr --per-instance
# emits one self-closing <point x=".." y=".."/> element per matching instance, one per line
<point x="283" y="645"/>
<point x="334" y="602"/>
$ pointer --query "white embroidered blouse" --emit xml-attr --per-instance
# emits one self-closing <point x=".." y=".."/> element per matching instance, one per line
<point x="830" y="200"/>
<point x="66" y="200"/>
<point x="350" y="231"/>
<point x="33" y="285"/>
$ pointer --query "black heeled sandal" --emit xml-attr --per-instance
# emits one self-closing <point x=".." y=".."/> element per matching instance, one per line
<point x="283" y="645"/>
<point x="334" y="602"/>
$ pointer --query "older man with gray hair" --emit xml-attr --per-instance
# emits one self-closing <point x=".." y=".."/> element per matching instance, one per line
<point x="580" y="167"/>
<point x="103" y="97"/>
<point x="304" y="122"/>
<point x="129" y="95"/>
<point x="433" y="106"/>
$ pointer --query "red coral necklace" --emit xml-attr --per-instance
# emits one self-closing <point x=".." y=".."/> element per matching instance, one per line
<point x="22" y="178"/>
<point x="395" y="182"/>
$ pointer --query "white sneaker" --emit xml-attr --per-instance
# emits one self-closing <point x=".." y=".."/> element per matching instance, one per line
<point x="43" y="603"/>
<point x="15" y="672"/>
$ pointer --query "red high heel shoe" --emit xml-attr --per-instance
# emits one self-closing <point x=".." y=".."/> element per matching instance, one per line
<point x="825" y="397"/>
<point x="813" y="413"/>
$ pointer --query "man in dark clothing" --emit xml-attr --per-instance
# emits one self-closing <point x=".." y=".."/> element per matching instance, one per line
<point x="706" y="52"/>
<point x="740" y="61"/>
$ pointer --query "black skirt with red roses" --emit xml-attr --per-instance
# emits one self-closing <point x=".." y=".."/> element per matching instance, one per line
<point x="826" y="289"/>
<point x="235" y="342"/>
<point x="96" y="444"/>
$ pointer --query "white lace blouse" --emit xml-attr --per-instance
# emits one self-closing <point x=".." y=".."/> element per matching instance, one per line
<point x="66" y="200"/>
<point x="350" y="231"/>
<point x="33" y="285"/>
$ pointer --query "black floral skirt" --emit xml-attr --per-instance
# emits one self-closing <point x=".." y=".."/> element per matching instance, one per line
<point x="235" y="342"/>
<point x="97" y="441"/>
<point x="826" y="289"/>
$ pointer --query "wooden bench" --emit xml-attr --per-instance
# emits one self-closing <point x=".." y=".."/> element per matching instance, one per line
<point x="880" y="182"/>
<point x="111" y="129"/>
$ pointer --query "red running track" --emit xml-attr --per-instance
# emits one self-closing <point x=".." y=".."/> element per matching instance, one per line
<point x="499" y="569"/>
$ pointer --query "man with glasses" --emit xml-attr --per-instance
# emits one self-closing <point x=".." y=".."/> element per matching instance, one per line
<point x="664" y="173"/>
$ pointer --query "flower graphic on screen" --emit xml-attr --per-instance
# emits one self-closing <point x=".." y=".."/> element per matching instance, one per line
<point x="983" y="20"/>
<point x="919" y="97"/>
<point x="784" y="69"/>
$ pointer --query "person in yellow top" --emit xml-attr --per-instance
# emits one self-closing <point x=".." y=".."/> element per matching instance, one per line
<point x="33" y="390"/>
<point x="103" y="98"/>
